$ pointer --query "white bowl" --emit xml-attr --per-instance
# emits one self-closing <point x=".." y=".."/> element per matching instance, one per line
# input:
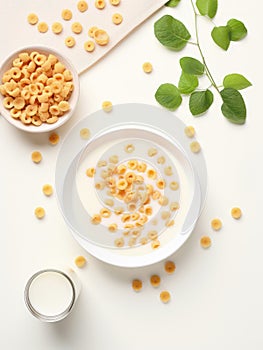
<point x="44" y="127"/>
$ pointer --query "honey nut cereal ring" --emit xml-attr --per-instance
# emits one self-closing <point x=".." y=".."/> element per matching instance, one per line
<point x="141" y="167"/>
<point x="53" y="138"/>
<point x="147" y="67"/>
<point x="163" y="201"/>
<point x="161" y="183"/>
<point x="216" y="224"/>
<point x="19" y="103"/>
<point x="101" y="37"/>
<point x="89" y="46"/>
<point x="136" y="285"/>
<point x="70" y="41"/>
<point x="174" y="206"/>
<point x="189" y="131"/>
<point x="36" y="120"/>
<point x="36" y="156"/>
<point x="117" y="18"/>
<point x="168" y="171"/>
<point x="174" y="185"/>
<point x="42" y="27"/>
<point x="113" y="227"/>
<point x="31" y="110"/>
<point x="165" y="296"/>
<point x="80" y="261"/>
<point x="169" y="266"/>
<point x="15" y="73"/>
<point x="144" y="240"/>
<point x="100" y="4"/>
<point x="105" y="212"/>
<point x="8" y="102"/>
<point x="109" y="202"/>
<point x="151" y="173"/>
<point x="165" y="215"/>
<point x="155" y="244"/>
<point x="66" y="14"/>
<point x="40" y="59"/>
<point x="57" y="27"/>
<point x="15" y="113"/>
<point x="47" y="189"/>
<point x="155" y="280"/>
<point x="76" y="27"/>
<point x="32" y="18"/>
<point x="90" y="172"/>
<point x="96" y="219"/>
<point x="82" y="6"/>
<point x="205" y="242"/>
<point x="115" y="2"/>
<point x="64" y="106"/>
<point x="129" y="148"/>
<point x="84" y="133"/>
<point x="25" y="119"/>
<point x="195" y="147"/>
<point x="236" y="213"/>
<point x="118" y="210"/>
<point x="106" y="106"/>
<point x="92" y="31"/>
<point x="52" y="120"/>
<point x="40" y="212"/>
<point x="119" y="242"/>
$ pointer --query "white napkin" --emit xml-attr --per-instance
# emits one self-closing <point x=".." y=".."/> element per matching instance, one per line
<point x="16" y="32"/>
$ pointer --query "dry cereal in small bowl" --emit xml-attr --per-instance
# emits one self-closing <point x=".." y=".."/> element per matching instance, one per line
<point x="39" y="89"/>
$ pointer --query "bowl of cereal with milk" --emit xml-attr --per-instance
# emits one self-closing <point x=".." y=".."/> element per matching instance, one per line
<point x="39" y="89"/>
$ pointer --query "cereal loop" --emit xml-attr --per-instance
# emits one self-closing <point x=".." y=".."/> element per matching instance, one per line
<point x="82" y="6"/>
<point x="89" y="46"/>
<point x="40" y="212"/>
<point x="205" y="242"/>
<point x="32" y="18"/>
<point x="117" y="18"/>
<point x="165" y="296"/>
<point x="42" y="27"/>
<point x="137" y="285"/>
<point x="66" y="14"/>
<point x="36" y="157"/>
<point x="80" y="261"/>
<point x="70" y="41"/>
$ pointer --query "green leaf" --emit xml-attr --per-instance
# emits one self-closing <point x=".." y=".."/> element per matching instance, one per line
<point x="187" y="83"/>
<point x="172" y="3"/>
<point x="200" y="101"/>
<point x="192" y="66"/>
<point x="233" y="107"/>
<point x="207" y="7"/>
<point x="221" y="36"/>
<point x="236" y="81"/>
<point x="237" y="29"/>
<point x="168" y="96"/>
<point x="171" y="33"/>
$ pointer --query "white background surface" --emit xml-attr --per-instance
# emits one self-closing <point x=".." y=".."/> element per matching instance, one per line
<point x="216" y="293"/>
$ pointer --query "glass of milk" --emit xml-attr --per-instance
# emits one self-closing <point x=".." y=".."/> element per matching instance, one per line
<point x="50" y="294"/>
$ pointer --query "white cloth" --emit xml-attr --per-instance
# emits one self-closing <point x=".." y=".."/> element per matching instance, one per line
<point x="16" y="32"/>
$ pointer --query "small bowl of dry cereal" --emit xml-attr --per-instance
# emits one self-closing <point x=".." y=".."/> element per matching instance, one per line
<point x="39" y="89"/>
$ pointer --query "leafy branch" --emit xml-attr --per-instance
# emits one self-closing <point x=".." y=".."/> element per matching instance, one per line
<point x="173" y="34"/>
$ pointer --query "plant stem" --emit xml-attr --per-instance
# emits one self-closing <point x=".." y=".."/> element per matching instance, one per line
<point x="208" y="73"/>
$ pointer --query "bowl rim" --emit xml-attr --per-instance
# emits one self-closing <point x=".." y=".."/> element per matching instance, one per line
<point x="44" y="127"/>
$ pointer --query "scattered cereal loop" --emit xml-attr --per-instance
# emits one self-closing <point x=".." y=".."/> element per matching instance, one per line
<point x="53" y="138"/>
<point x="42" y="27"/>
<point x="100" y="4"/>
<point x="84" y="133"/>
<point x="40" y="212"/>
<point x="106" y="106"/>
<point x="147" y="67"/>
<point x="89" y="46"/>
<point x="80" y="261"/>
<point x="236" y="213"/>
<point x="117" y="18"/>
<point x="96" y="219"/>
<point x="115" y="2"/>
<point x="155" y="244"/>
<point x="129" y="148"/>
<point x="152" y="152"/>
<point x="47" y="189"/>
<point x="66" y="14"/>
<point x="169" y="267"/>
<point x="137" y="285"/>
<point x="92" y="31"/>
<point x="32" y="18"/>
<point x="101" y="37"/>
<point x="57" y="28"/>
<point x="119" y="242"/>
<point x="70" y="41"/>
<point x="165" y="296"/>
<point x="195" y="147"/>
<point x="189" y="131"/>
<point x="205" y="242"/>
<point x="36" y="157"/>
<point x="216" y="224"/>
<point x="76" y="27"/>
<point x="82" y="6"/>
<point x="90" y="172"/>
<point x="155" y="280"/>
